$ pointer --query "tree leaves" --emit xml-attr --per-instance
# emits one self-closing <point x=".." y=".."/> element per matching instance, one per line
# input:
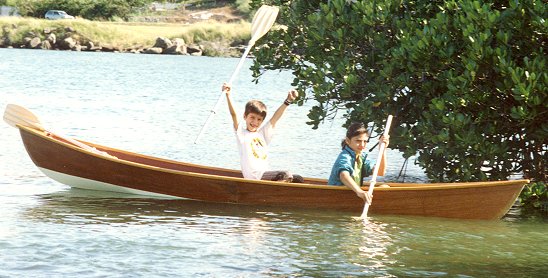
<point x="474" y="74"/>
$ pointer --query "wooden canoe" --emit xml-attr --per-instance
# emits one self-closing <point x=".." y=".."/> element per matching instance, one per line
<point x="135" y="173"/>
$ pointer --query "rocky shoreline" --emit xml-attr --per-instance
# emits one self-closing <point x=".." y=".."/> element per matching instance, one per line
<point x="68" y="38"/>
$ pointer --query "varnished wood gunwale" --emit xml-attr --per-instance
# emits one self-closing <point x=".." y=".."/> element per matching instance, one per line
<point x="478" y="200"/>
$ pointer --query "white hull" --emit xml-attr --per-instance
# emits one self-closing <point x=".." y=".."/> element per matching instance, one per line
<point x="83" y="183"/>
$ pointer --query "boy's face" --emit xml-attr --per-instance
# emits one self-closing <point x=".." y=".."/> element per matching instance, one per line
<point x="357" y="143"/>
<point x="253" y="121"/>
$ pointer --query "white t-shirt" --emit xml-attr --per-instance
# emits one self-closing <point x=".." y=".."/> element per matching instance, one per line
<point x="253" y="148"/>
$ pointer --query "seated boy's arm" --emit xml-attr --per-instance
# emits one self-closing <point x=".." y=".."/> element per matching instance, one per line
<point x="382" y="166"/>
<point x="291" y="96"/>
<point x="226" y="89"/>
<point x="349" y="182"/>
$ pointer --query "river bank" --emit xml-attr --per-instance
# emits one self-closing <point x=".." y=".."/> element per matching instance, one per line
<point x="207" y="38"/>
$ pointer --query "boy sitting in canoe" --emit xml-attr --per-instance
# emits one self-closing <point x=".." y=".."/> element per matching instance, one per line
<point x="352" y="164"/>
<point x="254" y="137"/>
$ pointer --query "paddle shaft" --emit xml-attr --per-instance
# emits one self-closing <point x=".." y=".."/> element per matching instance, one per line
<point x="262" y="22"/>
<point x="16" y="115"/>
<point x="78" y="144"/>
<point x="377" y="166"/>
<point x="219" y="100"/>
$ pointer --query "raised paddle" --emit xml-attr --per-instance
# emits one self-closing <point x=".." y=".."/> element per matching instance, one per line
<point x="377" y="165"/>
<point x="262" y="22"/>
<point x="18" y="115"/>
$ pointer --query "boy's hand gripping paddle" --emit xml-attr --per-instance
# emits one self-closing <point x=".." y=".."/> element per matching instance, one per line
<point x="377" y="165"/>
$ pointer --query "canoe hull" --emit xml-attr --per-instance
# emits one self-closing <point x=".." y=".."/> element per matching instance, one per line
<point x="140" y="174"/>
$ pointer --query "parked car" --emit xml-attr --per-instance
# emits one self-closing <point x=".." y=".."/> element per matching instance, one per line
<point x="56" y="14"/>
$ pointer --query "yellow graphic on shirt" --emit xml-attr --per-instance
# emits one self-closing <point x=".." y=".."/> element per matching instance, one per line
<point x="258" y="148"/>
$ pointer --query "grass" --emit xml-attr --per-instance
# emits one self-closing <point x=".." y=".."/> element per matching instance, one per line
<point x="132" y="34"/>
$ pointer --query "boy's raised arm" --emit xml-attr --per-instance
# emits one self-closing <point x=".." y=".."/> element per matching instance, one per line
<point x="226" y="89"/>
<point x="291" y="96"/>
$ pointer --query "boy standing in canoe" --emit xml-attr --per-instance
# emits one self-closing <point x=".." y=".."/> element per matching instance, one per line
<point x="254" y="136"/>
<point x="352" y="164"/>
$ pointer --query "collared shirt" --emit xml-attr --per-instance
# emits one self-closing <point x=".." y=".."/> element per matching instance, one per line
<point x="345" y="162"/>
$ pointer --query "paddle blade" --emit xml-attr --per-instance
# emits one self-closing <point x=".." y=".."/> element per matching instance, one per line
<point x="17" y="115"/>
<point x="262" y="22"/>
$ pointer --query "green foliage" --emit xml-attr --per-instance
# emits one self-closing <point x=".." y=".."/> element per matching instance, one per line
<point x="89" y="9"/>
<point x="535" y="196"/>
<point x="466" y="80"/>
<point x="243" y="6"/>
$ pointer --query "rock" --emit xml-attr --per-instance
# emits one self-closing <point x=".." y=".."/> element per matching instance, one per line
<point x="6" y="41"/>
<point x="26" y="42"/>
<point x="46" y="45"/>
<point x="51" y="38"/>
<point x="194" y="50"/>
<point x="154" y="50"/>
<point x="71" y="40"/>
<point x="163" y="43"/>
<point x="67" y="43"/>
<point x="90" y="46"/>
<point x="178" y="48"/>
<point x="109" y="48"/>
<point x="179" y="41"/>
<point x="35" y="42"/>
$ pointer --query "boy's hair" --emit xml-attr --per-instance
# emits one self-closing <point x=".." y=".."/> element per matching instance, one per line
<point x="255" y="106"/>
<point x="353" y="130"/>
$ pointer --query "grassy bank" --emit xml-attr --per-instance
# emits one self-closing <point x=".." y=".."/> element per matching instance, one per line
<point x="127" y="35"/>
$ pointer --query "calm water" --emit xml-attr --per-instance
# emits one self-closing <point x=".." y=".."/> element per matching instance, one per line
<point x="156" y="105"/>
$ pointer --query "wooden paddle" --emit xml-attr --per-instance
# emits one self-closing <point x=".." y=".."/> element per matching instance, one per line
<point x="262" y="22"/>
<point x="18" y="115"/>
<point x="377" y="166"/>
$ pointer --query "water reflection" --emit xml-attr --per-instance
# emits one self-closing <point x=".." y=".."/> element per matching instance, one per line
<point x="372" y="244"/>
<point x="76" y="206"/>
<point x="275" y="242"/>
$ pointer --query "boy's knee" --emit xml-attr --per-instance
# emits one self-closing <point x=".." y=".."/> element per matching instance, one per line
<point x="297" y="179"/>
<point x="282" y="176"/>
<point x="286" y="176"/>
